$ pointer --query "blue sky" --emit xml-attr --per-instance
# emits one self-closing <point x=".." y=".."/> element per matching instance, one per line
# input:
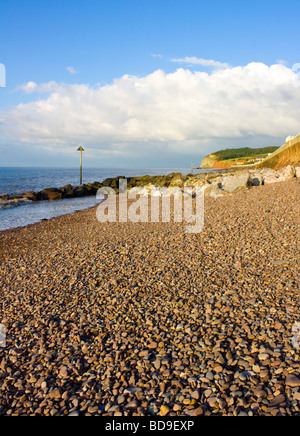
<point x="80" y="51"/>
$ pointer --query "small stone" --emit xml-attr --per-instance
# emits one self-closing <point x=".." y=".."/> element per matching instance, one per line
<point x="195" y="395"/>
<point x="92" y="409"/>
<point x="55" y="394"/>
<point x="121" y="399"/>
<point x="63" y="372"/>
<point x="212" y="401"/>
<point x="220" y="359"/>
<point x="186" y="401"/>
<point x="263" y="356"/>
<point x="164" y="410"/>
<point x="292" y="380"/>
<point x="260" y="393"/>
<point x="198" y="411"/>
<point x="84" y="349"/>
<point x="162" y="387"/>
<point x="114" y="408"/>
<point x="297" y="396"/>
<point x="277" y="400"/>
<point x="144" y="353"/>
<point x="75" y="413"/>
<point x="132" y="405"/>
<point x="157" y="364"/>
<point x="153" y="345"/>
<point x="256" y="368"/>
<point x="53" y="411"/>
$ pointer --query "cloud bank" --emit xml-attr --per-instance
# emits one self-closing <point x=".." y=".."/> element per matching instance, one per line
<point x="200" y="61"/>
<point x="181" y="112"/>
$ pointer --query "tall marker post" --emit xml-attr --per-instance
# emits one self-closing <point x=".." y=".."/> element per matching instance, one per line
<point x="81" y="150"/>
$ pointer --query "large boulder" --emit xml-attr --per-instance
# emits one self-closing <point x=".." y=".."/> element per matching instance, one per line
<point x="31" y="195"/>
<point x="112" y="182"/>
<point x="281" y="175"/>
<point x="80" y="191"/>
<point x="225" y="184"/>
<point x="90" y="189"/>
<point x="215" y="190"/>
<point x="50" y="194"/>
<point x="256" y="179"/>
<point x="67" y="191"/>
<point x="96" y="185"/>
<point x="240" y="180"/>
<point x="177" y="180"/>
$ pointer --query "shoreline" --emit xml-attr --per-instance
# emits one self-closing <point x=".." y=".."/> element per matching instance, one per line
<point x="130" y="319"/>
<point x="45" y="220"/>
<point x="216" y="184"/>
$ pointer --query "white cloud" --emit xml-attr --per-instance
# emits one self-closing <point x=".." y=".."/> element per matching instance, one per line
<point x="28" y="87"/>
<point x="71" y="70"/>
<point x="199" y="61"/>
<point x="177" y="112"/>
<point x="282" y="62"/>
<point x="31" y="87"/>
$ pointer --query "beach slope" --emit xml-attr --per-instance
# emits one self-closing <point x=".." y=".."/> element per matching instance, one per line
<point x="143" y="318"/>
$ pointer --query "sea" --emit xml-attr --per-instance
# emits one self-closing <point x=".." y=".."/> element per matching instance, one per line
<point x="20" y="180"/>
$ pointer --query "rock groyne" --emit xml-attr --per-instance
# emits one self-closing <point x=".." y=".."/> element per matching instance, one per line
<point x="217" y="184"/>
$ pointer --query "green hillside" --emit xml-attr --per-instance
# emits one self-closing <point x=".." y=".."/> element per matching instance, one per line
<point x="233" y="153"/>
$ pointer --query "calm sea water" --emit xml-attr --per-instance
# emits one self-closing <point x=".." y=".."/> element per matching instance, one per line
<point x="20" y="180"/>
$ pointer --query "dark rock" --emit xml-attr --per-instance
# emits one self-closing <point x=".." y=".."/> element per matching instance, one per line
<point x="16" y="197"/>
<point x="67" y="191"/>
<point x="112" y="182"/>
<point x="5" y="197"/>
<point x="97" y="185"/>
<point x="176" y="180"/>
<point x="277" y="400"/>
<point x="292" y="380"/>
<point x="50" y="194"/>
<point x="255" y="181"/>
<point x="31" y="195"/>
<point x="80" y="191"/>
<point x="91" y="189"/>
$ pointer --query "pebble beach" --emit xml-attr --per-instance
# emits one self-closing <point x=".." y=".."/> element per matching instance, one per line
<point x="130" y="319"/>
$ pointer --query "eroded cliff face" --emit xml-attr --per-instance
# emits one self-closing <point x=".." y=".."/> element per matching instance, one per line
<point x="212" y="162"/>
<point x="208" y="161"/>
